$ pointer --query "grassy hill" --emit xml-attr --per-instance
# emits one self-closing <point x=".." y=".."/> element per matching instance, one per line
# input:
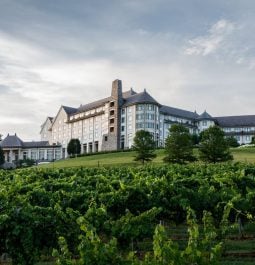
<point x="127" y="159"/>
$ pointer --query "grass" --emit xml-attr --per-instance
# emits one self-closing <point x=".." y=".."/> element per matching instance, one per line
<point x="245" y="154"/>
<point x="127" y="159"/>
<point x="111" y="159"/>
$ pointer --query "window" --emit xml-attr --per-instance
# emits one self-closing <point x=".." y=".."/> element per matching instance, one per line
<point x="106" y="138"/>
<point x="111" y="121"/>
<point x="111" y="129"/>
<point x="122" y="111"/>
<point x="122" y="128"/>
<point x="204" y="123"/>
<point x="139" y="125"/>
<point x="41" y="154"/>
<point x="25" y="155"/>
<point x="122" y="142"/>
<point x="50" y="154"/>
<point x="139" y="107"/>
<point x="111" y="104"/>
<point x="112" y="112"/>
<point x="122" y="119"/>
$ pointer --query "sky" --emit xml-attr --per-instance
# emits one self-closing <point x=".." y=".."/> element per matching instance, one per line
<point x="191" y="54"/>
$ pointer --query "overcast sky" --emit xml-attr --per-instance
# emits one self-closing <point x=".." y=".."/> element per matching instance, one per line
<point x="191" y="54"/>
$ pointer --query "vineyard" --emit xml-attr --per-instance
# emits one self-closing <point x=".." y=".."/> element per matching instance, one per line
<point x="192" y="214"/>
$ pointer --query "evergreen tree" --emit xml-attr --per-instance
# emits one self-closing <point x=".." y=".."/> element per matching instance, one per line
<point x="1" y="156"/>
<point x="179" y="145"/>
<point x="144" y="145"/>
<point x="232" y="142"/>
<point x="213" y="146"/>
<point x="74" y="147"/>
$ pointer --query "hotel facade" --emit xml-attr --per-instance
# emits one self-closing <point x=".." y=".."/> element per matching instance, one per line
<point x="111" y="124"/>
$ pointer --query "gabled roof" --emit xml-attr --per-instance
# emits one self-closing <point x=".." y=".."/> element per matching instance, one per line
<point x="69" y="110"/>
<point x="48" y="118"/>
<point x="143" y="97"/>
<point x="178" y="112"/>
<point x="205" y="116"/>
<point x="11" y="141"/>
<point x="236" y="121"/>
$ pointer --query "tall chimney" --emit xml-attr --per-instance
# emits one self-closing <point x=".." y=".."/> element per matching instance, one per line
<point x="117" y="91"/>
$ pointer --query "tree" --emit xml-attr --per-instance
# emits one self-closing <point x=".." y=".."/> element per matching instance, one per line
<point x="253" y="140"/>
<point x="144" y="145"/>
<point x="74" y="147"/>
<point x="213" y="146"/>
<point x="179" y="145"/>
<point x="232" y="142"/>
<point x="2" y="160"/>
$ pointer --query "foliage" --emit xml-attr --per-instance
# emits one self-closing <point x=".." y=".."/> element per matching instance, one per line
<point x="213" y="146"/>
<point x="2" y="160"/>
<point x="144" y="145"/>
<point x="26" y="162"/>
<point x="195" y="139"/>
<point x="74" y="147"/>
<point x="63" y="256"/>
<point x="179" y="145"/>
<point x="117" y="206"/>
<point x="232" y="142"/>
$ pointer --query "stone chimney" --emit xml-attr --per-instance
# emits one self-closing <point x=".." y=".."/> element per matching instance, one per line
<point x="117" y="91"/>
<point x="112" y="140"/>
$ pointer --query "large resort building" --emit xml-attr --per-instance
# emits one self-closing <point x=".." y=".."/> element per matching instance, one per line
<point x="111" y="123"/>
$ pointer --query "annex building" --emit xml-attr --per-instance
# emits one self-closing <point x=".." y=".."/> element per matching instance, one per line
<point x="111" y="123"/>
<point x="15" y="149"/>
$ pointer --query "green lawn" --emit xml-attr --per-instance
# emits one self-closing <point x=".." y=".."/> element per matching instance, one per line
<point x="127" y="158"/>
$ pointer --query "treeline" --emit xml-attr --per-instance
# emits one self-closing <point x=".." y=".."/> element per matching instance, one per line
<point x="179" y="145"/>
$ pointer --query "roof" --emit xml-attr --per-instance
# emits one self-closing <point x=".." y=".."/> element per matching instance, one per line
<point x="143" y="97"/>
<point x="11" y="141"/>
<point x="236" y="121"/>
<point x="48" y="118"/>
<point x="101" y="102"/>
<point x="128" y="93"/>
<point x="69" y="110"/>
<point x="178" y="112"/>
<point x="93" y="105"/>
<point x="205" y="116"/>
<point x="35" y="144"/>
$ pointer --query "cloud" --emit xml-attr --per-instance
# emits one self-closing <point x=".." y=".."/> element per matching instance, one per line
<point x="213" y="40"/>
<point x="60" y="52"/>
